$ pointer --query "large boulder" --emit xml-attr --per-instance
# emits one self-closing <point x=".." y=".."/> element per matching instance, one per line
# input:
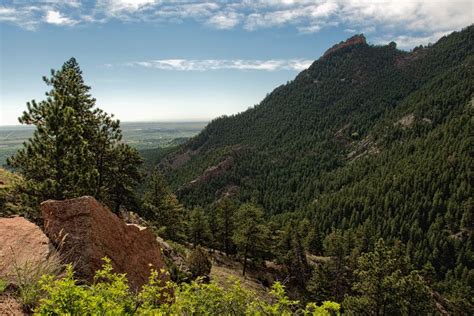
<point x="24" y="247"/>
<point x="86" y="232"/>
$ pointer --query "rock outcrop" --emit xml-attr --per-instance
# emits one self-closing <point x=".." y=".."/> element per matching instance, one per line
<point x="23" y="246"/>
<point x="86" y="232"/>
<point x="405" y="59"/>
<point x="354" y="40"/>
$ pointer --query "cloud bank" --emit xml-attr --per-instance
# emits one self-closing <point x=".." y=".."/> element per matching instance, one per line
<point x="222" y="64"/>
<point x="413" y="20"/>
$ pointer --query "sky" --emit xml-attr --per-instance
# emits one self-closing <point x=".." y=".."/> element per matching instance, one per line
<point x="184" y="60"/>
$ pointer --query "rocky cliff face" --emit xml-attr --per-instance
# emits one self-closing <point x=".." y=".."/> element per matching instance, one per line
<point x="86" y="232"/>
<point x="354" y="40"/>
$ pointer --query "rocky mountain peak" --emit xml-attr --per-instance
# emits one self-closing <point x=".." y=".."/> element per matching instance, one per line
<point x="354" y="40"/>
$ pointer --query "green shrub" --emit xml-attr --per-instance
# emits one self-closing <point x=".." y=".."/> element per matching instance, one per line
<point x="177" y="274"/>
<point x="198" y="262"/>
<point x="179" y="248"/>
<point x="64" y="296"/>
<point x="156" y="293"/>
<point x="3" y="285"/>
<point x="110" y="295"/>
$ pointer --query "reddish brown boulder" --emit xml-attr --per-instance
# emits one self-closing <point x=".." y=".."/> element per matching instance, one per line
<point x="23" y="246"/>
<point x="86" y="232"/>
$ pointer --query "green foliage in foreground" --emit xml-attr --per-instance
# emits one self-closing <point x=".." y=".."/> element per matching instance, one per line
<point x="110" y="295"/>
<point x="3" y="285"/>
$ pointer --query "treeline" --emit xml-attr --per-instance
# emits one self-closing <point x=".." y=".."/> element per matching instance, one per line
<point x="365" y="275"/>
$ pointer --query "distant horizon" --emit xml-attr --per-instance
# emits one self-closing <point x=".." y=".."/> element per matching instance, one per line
<point x="127" y="122"/>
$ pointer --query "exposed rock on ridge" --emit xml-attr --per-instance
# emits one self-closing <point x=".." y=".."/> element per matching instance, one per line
<point x="354" y="40"/>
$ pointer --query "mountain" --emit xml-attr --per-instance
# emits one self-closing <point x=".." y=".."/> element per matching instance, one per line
<point x="369" y="139"/>
<point x="357" y="102"/>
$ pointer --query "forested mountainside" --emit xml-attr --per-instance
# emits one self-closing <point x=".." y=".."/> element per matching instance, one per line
<point x="371" y="140"/>
<point x="357" y="99"/>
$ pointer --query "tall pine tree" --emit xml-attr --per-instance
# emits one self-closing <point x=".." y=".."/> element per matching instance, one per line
<point x="162" y="208"/>
<point x="225" y="211"/>
<point x="70" y="153"/>
<point x="251" y="234"/>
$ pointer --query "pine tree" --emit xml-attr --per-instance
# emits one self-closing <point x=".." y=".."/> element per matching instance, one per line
<point x="199" y="263"/>
<point x="106" y="135"/>
<point x="162" y="208"/>
<point x="386" y="285"/>
<point x="56" y="160"/>
<point x="199" y="232"/>
<point x="321" y="286"/>
<point x="250" y="234"/>
<point x="335" y="246"/>
<point x="292" y="254"/>
<point x="467" y="220"/>
<point x="123" y="176"/>
<point x="225" y="211"/>
<point x="70" y="153"/>
<point x="314" y="241"/>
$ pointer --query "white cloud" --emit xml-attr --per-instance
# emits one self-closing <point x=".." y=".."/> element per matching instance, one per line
<point x="7" y="14"/>
<point x="196" y="11"/>
<point x="407" y="42"/>
<point x="23" y="16"/>
<point x="225" y="20"/>
<point x="324" y="10"/>
<point x="410" y="18"/>
<point x="55" y="17"/>
<point x="70" y="3"/>
<point x="220" y="64"/>
<point x="411" y="15"/>
<point x="309" y="29"/>
<point x="406" y="15"/>
<point x="124" y="5"/>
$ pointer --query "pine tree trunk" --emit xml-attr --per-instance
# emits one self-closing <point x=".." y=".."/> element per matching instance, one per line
<point x="245" y="260"/>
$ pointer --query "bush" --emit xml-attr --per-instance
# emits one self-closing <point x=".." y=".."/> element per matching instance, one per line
<point x="3" y="285"/>
<point x="110" y="295"/>
<point x="177" y="274"/>
<point x="63" y="296"/>
<point x="198" y="262"/>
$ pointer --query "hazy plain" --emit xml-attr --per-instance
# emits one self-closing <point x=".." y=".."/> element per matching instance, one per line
<point x="141" y="135"/>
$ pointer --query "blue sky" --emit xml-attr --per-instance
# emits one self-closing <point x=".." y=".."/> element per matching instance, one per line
<point x="195" y="60"/>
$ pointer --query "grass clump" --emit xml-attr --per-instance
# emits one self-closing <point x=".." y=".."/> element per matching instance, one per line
<point x="26" y="280"/>
<point x="3" y="286"/>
